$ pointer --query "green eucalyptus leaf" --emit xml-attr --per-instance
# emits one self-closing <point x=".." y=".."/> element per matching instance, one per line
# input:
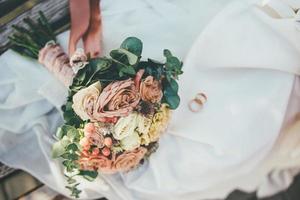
<point x="153" y="68"/>
<point x="63" y="130"/>
<point x="72" y="157"/>
<point x="119" y="56"/>
<point x="71" y="181"/>
<point x="167" y="53"/>
<point x="172" y="100"/>
<point x="100" y="64"/>
<point x="72" y="147"/>
<point x="59" y="148"/>
<point x="170" y="93"/>
<point x="174" y="85"/>
<point x="70" y="117"/>
<point x="134" y="45"/>
<point x="128" y="70"/>
<point x="80" y="76"/>
<point x="121" y="74"/>
<point x="89" y="175"/>
<point x="173" y="63"/>
<point x="132" y="58"/>
<point x="155" y="62"/>
<point x="73" y="134"/>
<point x="65" y="141"/>
<point x="124" y="56"/>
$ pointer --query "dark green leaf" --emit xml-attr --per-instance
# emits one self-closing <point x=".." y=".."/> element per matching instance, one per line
<point x="89" y="175"/>
<point x="71" y="181"/>
<point x="128" y="70"/>
<point x="63" y="130"/>
<point x="58" y="149"/>
<point x="172" y="100"/>
<point x="174" y="85"/>
<point x="173" y="63"/>
<point x="100" y="64"/>
<point x="167" y="53"/>
<point x="170" y="90"/>
<point x="72" y="147"/>
<point x="134" y="45"/>
<point x="125" y="57"/>
<point x="73" y="157"/>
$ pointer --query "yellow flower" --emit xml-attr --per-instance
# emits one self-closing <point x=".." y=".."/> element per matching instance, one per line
<point x="145" y="139"/>
<point x="159" y="123"/>
<point x="143" y="127"/>
<point x="143" y="124"/>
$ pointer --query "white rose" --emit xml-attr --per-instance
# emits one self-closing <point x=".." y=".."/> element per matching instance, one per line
<point x="85" y="99"/>
<point x="125" y="126"/>
<point x="131" y="142"/>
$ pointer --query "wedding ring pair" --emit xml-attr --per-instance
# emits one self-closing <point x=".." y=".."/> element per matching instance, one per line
<point x="197" y="103"/>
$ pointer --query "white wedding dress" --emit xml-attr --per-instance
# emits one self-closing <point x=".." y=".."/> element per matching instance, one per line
<point x="243" y="58"/>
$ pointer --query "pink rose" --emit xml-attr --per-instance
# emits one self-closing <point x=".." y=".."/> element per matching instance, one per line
<point x="129" y="159"/>
<point x="117" y="99"/>
<point x="150" y="90"/>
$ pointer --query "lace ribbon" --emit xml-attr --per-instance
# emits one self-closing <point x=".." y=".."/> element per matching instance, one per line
<point x="53" y="57"/>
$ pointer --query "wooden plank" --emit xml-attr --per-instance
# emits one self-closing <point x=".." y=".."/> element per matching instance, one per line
<point x="44" y="193"/>
<point x="8" y="5"/>
<point x="17" y="184"/>
<point x="54" y="10"/>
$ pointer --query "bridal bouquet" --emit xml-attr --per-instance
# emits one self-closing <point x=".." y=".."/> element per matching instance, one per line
<point x="117" y="107"/>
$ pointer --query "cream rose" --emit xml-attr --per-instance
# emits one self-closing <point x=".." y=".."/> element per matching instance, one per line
<point x="125" y="126"/>
<point x="131" y="142"/>
<point x="129" y="159"/>
<point x="85" y="99"/>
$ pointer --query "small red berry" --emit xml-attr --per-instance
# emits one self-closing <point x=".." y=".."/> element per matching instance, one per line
<point x="95" y="152"/>
<point x="106" y="151"/>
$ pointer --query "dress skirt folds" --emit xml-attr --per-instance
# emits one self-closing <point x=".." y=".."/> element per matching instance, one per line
<point x="247" y="62"/>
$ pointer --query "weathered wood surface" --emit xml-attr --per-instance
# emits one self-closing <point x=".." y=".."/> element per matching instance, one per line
<point x="14" y="11"/>
<point x="57" y="11"/>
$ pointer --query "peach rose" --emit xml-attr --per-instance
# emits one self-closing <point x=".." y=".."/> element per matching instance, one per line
<point x="150" y="90"/>
<point x="94" y="135"/>
<point x="129" y="159"/>
<point x="117" y="99"/>
<point x="96" y="139"/>
<point x="100" y="163"/>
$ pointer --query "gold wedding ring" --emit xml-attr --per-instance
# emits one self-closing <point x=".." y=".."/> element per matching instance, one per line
<point x="196" y="104"/>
